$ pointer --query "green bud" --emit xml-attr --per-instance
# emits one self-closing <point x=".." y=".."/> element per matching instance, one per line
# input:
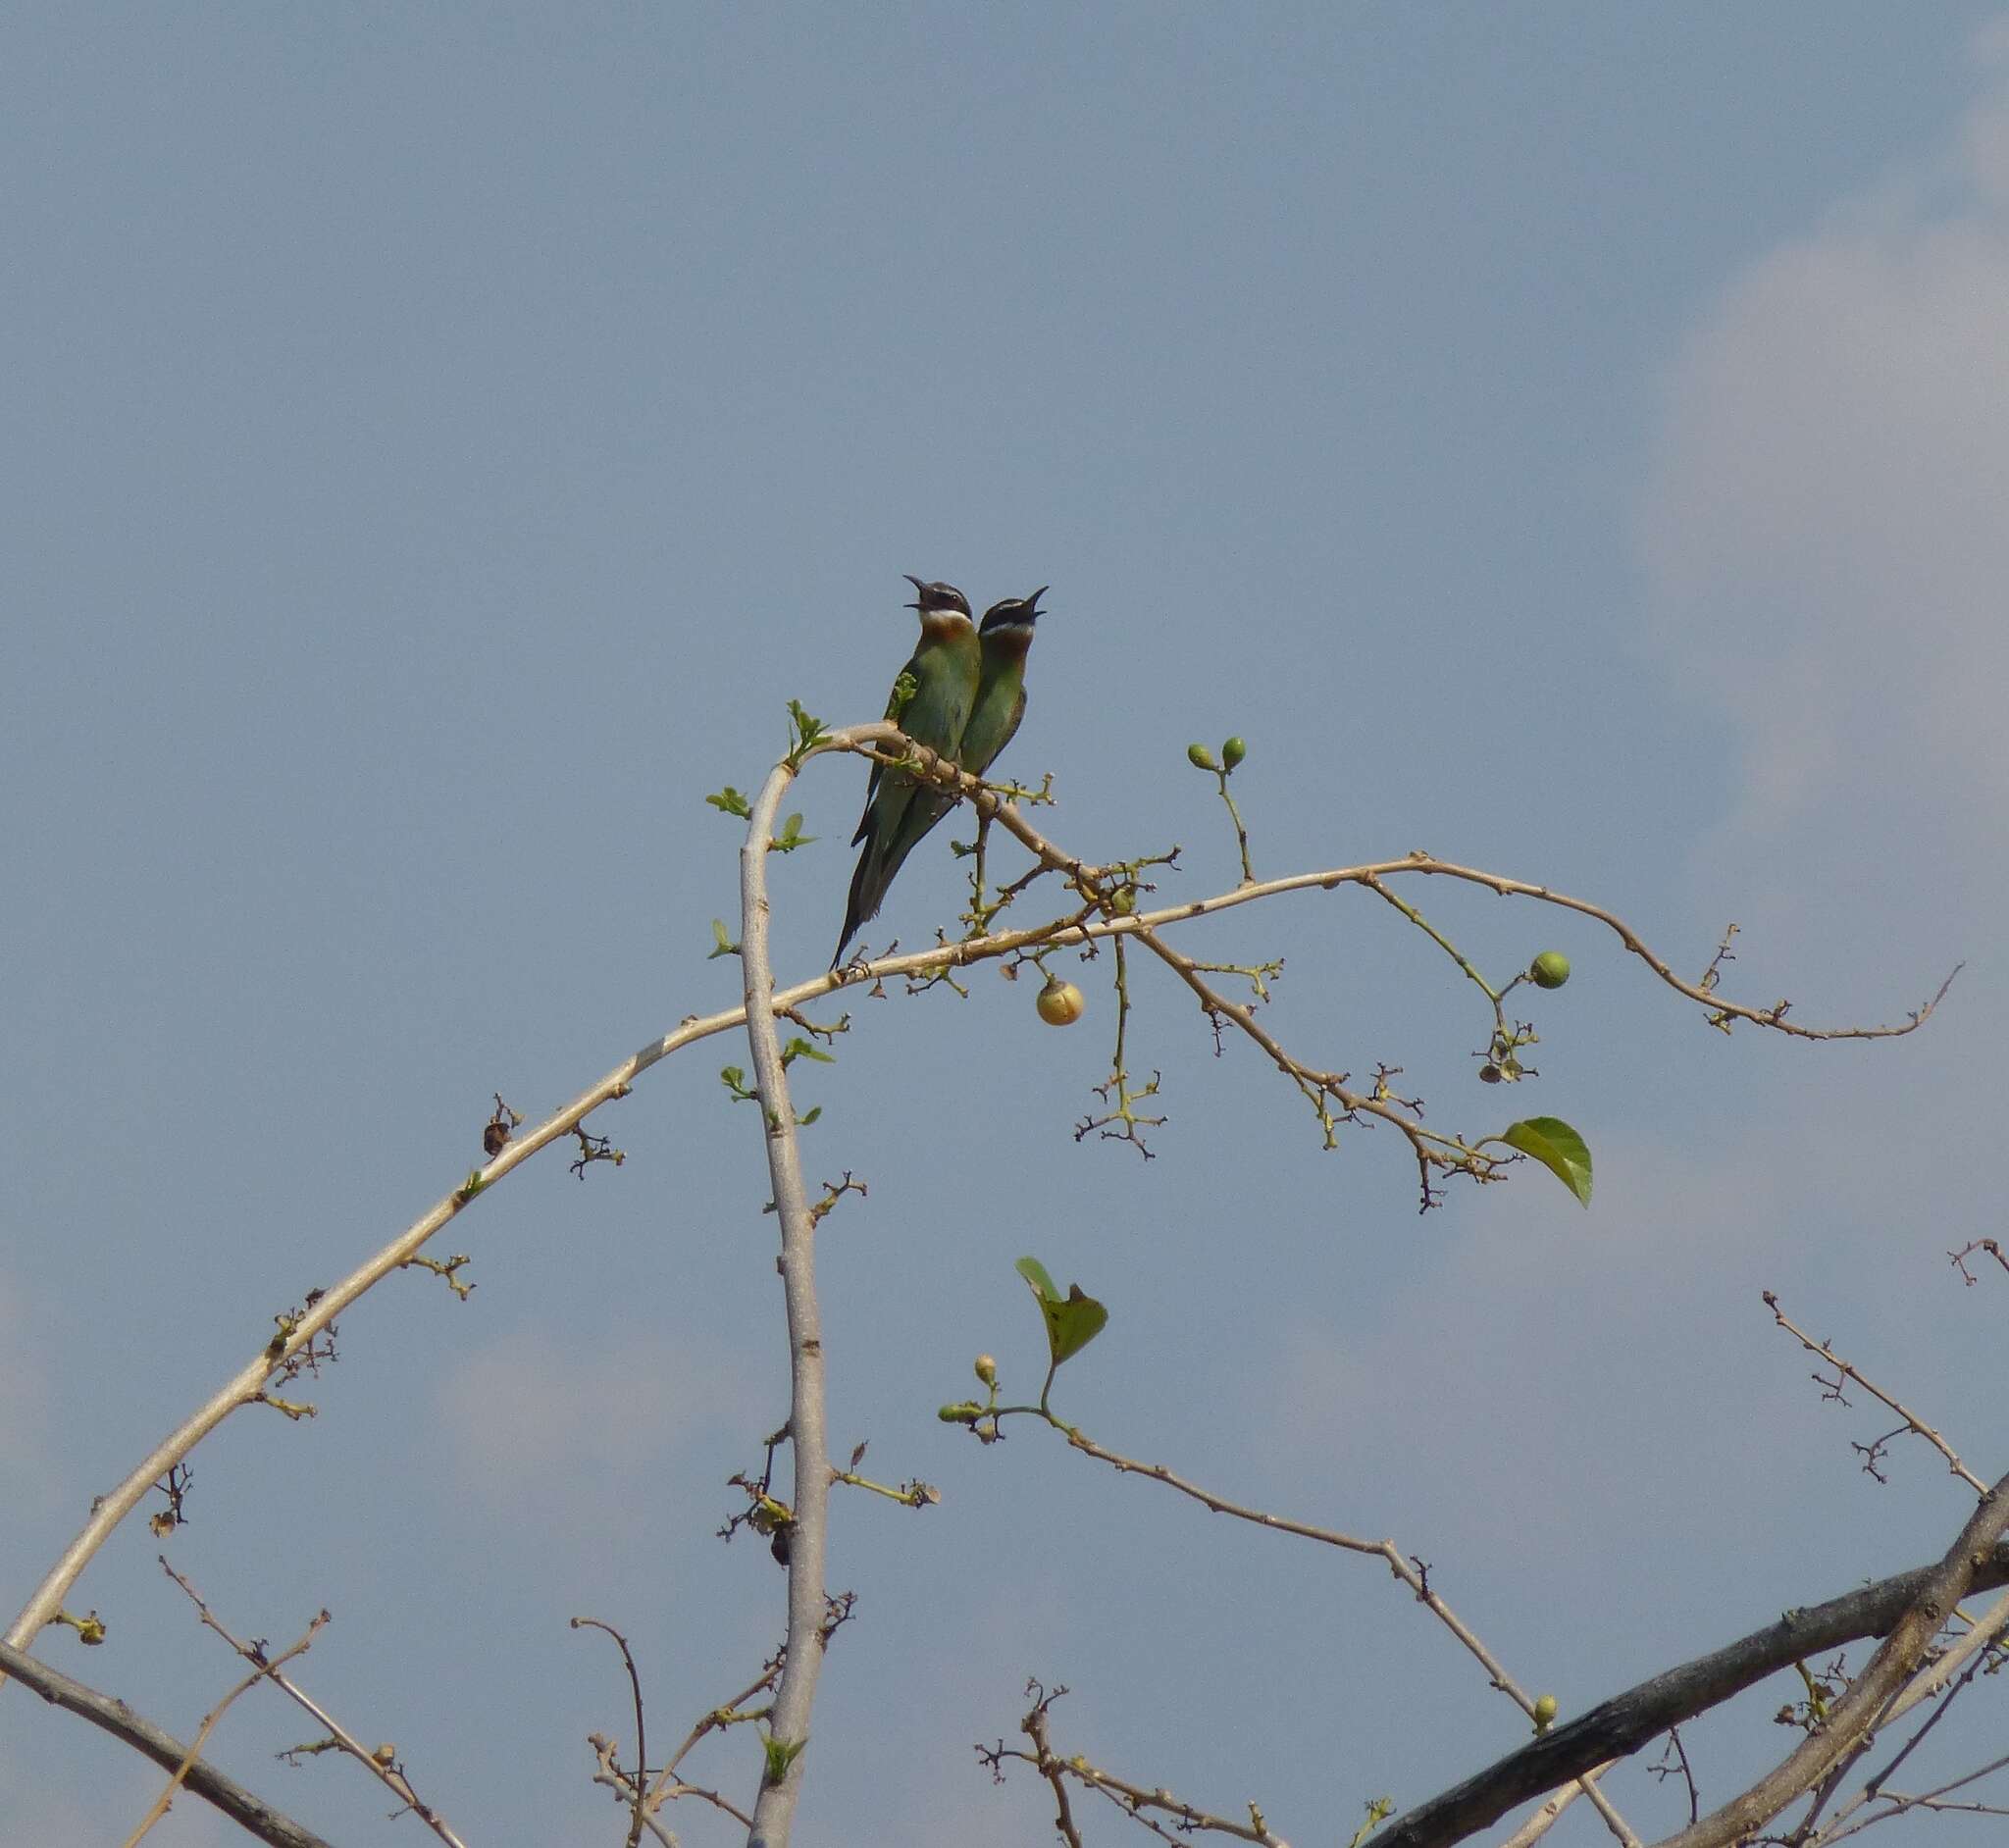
<point x="966" y="1414"/>
<point x="1200" y="757"/>
<point x="1545" y="1712"/>
<point x="987" y="1370"/>
<point x="1550" y="969"/>
<point x="1233" y="751"/>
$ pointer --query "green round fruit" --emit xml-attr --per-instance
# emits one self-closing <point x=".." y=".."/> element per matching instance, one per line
<point x="1200" y="757"/>
<point x="1550" y="969"/>
<point x="1233" y="751"/>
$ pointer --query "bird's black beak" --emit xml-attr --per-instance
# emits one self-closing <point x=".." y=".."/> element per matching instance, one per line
<point x="916" y="583"/>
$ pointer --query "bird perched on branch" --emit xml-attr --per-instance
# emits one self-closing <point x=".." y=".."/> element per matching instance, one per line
<point x="931" y="703"/>
<point x="1005" y="637"/>
<point x="994" y="717"/>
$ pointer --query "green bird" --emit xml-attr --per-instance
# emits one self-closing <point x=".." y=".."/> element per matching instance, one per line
<point x="931" y="703"/>
<point x="1003" y="640"/>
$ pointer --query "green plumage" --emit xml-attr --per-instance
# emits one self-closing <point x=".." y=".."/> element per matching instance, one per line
<point x="943" y="671"/>
<point x="992" y="715"/>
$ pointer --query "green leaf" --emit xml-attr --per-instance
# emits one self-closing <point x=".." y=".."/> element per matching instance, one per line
<point x="1557" y="1147"/>
<point x="800" y="1047"/>
<point x="1071" y="1325"/>
<point x="779" y="1758"/>
<point x="721" y="944"/>
<point x="1072" y="1321"/>
<point x="791" y="837"/>
<point x="903" y="691"/>
<point x="731" y="803"/>
<point x="810" y="1115"/>
<point x="808" y="728"/>
<point x="1035" y="1273"/>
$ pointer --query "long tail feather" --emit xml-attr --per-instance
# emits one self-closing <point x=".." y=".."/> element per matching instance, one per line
<point x="877" y="871"/>
<point x="863" y="903"/>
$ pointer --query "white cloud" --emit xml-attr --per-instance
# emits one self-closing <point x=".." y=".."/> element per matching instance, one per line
<point x="525" y="1412"/>
<point x="1824" y="529"/>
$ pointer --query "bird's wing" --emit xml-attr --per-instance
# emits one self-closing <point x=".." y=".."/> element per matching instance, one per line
<point x="1010" y="725"/>
<point x="894" y="708"/>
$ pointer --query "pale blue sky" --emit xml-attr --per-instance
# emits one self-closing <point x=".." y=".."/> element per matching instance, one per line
<point x="435" y="444"/>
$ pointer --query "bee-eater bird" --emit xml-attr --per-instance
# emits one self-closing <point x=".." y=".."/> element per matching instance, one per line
<point x="944" y="673"/>
<point x="1005" y="638"/>
<point x="994" y="716"/>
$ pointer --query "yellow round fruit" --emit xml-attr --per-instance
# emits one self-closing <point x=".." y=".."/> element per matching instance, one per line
<point x="1061" y="1004"/>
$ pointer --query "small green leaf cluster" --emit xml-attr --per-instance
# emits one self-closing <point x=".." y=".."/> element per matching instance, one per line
<point x="791" y="837"/>
<point x="730" y="801"/>
<point x="733" y="1078"/>
<point x="778" y="1757"/>
<point x="806" y="730"/>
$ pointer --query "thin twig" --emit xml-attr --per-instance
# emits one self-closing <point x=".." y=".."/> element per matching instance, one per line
<point x="1913" y="1422"/>
<point x="161" y="1804"/>
<point x="379" y="1764"/>
<point x="251" y="1813"/>
<point x="641" y="1779"/>
<point x="1400" y="1565"/>
<point x="1132" y="1799"/>
<point x="632" y="1790"/>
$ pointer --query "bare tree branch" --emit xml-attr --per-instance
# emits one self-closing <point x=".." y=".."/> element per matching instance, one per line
<point x="809" y="1443"/>
<point x="1854" y="1717"/>
<point x="1627" y="1722"/>
<point x="112" y="1715"/>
